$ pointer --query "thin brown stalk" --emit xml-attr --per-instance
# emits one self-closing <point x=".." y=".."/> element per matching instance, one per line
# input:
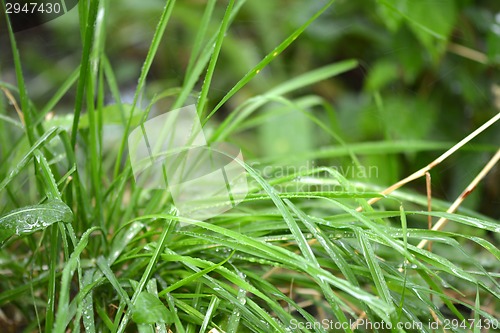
<point x="468" y="53"/>
<point x="13" y="101"/>
<point x="468" y="190"/>
<point x="441" y="158"/>
<point x="425" y="170"/>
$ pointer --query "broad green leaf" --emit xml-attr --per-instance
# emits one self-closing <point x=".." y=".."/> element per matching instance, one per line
<point x="149" y="310"/>
<point x="33" y="218"/>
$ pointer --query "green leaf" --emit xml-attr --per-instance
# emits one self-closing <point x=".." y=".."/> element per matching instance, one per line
<point x="33" y="218"/>
<point x="431" y="21"/>
<point x="149" y="310"/>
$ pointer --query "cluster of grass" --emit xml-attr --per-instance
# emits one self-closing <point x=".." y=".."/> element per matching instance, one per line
<point x="85" y="249"/>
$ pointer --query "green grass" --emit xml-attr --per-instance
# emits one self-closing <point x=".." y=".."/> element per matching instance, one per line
<point x="84" y="249"/>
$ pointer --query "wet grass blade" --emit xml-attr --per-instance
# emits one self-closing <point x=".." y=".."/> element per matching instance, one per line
<point x="29" y="219"/>
<point x="267" y="59"/>
<point x="213" y="60"/>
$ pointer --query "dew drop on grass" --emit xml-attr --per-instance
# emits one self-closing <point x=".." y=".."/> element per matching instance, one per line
<point x="29" y="219"/>
<point x="445" y="284"/>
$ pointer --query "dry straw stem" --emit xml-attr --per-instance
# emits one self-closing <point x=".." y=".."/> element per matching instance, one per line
<point x="421" y="172"/>
<point x="468" y="53"/>
<point x="425" y="171"/>
<point x="442" y="221"/>
<point x="12" y="101"/>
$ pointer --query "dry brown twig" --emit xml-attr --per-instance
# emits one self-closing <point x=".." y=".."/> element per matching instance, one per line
<point x="425" y="171"/>
<point x="420" y="173"/>
<point x="13" y="101"/>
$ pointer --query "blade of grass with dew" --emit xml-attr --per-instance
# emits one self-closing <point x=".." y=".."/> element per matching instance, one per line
<point x="152" y="288"/>
<point x="84" y="65"/>
<point x="213" y="59"/>
<point x="170" y="225"/>
<point x="177" y="322"/>
<point x="53" y="194"/>
<point x="193" y="277"/>
<point x="86" y="309"/>
<point x="331" y="249"/>
<point x="376" y="272"/>
<point x="58" y="95"/>
<point x="21" y="86"/>
<point x="205" y="55"/>
<point x="267" y="59"/>
<point x="93" y="83"/>
<point x="46" y="137"/>
<point x="212" y="308"/>
<point x="247" y="244"/>
<point x="108" y="273"/>
<point x="83" y="205"/>
<point x="200" y="36"/>
<point x="448" y="238"/>
<point x="153" y="49"/>
<point x="466" y="220"/>
<point x="412" y="254"/>
<point x="404" y="230"/>
<point x="275" y="293"/>
<point x="68" y="271"/>
<point x="241" y="296"/>
<point x="375" y="228"/>
<point x="225" y="290"/>
<point x="309" y="255"/>
<point x="229" y="124"/>
<point x="29" y="219"/>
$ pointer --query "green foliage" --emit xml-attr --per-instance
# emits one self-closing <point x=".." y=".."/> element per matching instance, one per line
<point x="149" y="310"/>
<point x="330" y="103"/>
